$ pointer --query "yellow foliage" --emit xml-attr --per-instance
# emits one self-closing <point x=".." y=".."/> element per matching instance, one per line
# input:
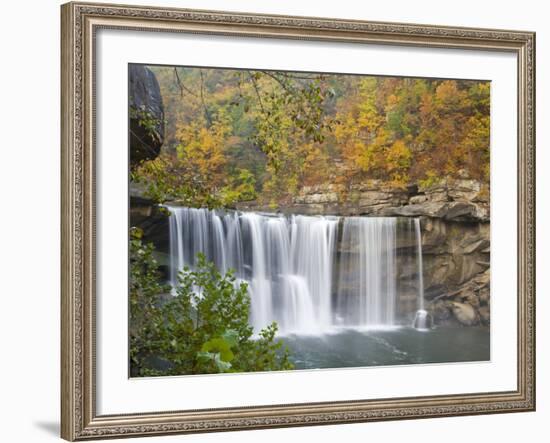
<point x="203" y="148"/>
<point x="400" y="130"/>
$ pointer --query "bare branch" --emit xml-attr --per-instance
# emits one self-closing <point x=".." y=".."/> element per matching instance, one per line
<point x="181" y="86"/>
<point x="206" y="112"/>
<point x="255" y="84"/>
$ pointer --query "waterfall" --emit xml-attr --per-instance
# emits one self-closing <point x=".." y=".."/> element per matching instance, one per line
<point x="307" y="273"/>
<point x="422" y="319"/>
<point x="419" y="264"/>
<point x="367" y="286"/>
<point x="313" y="246"/>
<point x="260" y="284"/>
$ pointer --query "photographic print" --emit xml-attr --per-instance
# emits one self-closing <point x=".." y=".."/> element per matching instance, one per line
<point x="260" y="205"/>
<point x="287" y="220"/>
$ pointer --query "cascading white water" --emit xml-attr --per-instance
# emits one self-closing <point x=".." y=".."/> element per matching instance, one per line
<point x="307" y="273"/>
<point x="422" y="319"/>
<point x="259" y="283"/>
<point x="312" y="254"/>
<point x="367" y="277"/>
<point x="419" y="263"/>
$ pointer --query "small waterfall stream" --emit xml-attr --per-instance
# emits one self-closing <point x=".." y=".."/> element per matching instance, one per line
<point x="307" y="273"/>
<point x="421" y="319"/>
<point x="419" y="263"/>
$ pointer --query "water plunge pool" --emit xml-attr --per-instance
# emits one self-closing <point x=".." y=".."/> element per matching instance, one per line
<point x="348" y="347"/>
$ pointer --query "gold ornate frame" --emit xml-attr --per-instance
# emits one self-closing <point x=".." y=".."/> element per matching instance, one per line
<point x="79" y="22"/>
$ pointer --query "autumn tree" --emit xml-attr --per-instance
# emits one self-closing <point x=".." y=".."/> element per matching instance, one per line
<point x="239" y="135"/>
<point x="414" y="130"/>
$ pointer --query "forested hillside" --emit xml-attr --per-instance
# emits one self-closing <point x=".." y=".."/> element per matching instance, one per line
<point x="240" y="135"/>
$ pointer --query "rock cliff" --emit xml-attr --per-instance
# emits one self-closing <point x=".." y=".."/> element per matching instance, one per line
<point x="450" y="199"/>
<point x="455" y="221"/>
<point x="146" y="114"/>
<point x="455" y="233"/>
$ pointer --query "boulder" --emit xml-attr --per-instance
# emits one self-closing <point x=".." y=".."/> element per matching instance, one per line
<point x="146" y="115"/>
<point x="465" y="314"/>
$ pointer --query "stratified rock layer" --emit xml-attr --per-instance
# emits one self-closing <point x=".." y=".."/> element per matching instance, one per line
<point x="455" y="215"/>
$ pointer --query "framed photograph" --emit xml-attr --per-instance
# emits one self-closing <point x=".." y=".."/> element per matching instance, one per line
<point x="283" y="221"/>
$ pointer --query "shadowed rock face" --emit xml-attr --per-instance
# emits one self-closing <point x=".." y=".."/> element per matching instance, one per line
<point x="457" y="270"/>
<point x="146" y="115"/>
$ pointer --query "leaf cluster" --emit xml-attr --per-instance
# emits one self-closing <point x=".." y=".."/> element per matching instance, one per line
<point x="202" y="328"/>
